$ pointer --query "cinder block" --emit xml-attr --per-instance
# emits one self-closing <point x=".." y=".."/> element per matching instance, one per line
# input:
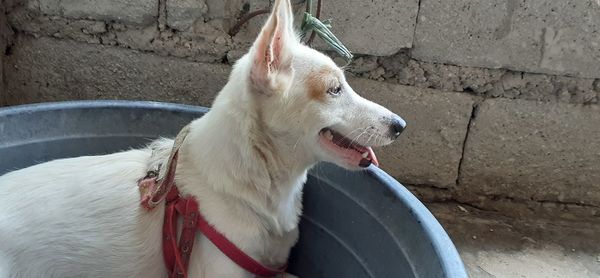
<point x="555" y="37"/>
<point x="429" y="150"/>
<point x="378" y="27"/>
<point x="47" y="69"/>
<point x="534" y="151"/>
<point x="181" y="14"/>
<point x="137" y="12"/>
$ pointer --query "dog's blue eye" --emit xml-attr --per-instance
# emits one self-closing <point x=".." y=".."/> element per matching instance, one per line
<point x="336" y="91"/>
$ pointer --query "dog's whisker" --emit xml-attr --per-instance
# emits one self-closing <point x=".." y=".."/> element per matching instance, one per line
<point x="370" y="137"/>
<point x="355" y="140"/>
<point x="296" y="144"/>
<point x="353" y="131"/>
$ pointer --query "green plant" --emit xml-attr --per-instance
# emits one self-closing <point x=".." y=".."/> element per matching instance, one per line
<point x="323" y="30"/>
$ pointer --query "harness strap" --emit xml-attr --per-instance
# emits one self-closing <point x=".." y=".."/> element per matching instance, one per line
<point x="156" y="187"/>
<point x="177" y="258"/>
<point x="153" y="194"/>
<point x="234" y="253"/>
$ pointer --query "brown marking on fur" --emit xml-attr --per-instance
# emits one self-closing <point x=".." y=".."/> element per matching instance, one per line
<point x="318" y="82"/>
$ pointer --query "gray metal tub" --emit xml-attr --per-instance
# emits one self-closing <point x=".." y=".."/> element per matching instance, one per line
<point x="355" y="224"/>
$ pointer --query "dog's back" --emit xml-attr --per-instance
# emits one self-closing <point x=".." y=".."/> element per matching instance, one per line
<point x="55" y="223"/>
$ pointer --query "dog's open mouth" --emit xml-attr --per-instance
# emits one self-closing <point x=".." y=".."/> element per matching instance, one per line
<point x="354" y="153"/>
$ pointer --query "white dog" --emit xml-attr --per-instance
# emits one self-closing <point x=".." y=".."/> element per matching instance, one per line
<point x="285" y="107"/>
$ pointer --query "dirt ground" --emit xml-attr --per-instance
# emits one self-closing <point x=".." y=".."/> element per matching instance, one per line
<point x="495" y="246"/>
<point x="538" y="261"/>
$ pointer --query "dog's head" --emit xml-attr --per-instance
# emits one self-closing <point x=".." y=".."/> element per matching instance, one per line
<point x="302" y="95"/>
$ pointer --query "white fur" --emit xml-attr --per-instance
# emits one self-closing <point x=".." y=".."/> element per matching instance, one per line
<point x="245" y="162"/>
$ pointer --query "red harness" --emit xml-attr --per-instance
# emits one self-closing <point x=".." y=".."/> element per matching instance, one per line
<point x="177" y="256"/>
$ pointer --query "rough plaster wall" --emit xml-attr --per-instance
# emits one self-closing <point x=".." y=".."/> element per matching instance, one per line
<point x="501" y="98"/>
<point x="5" y="34"/>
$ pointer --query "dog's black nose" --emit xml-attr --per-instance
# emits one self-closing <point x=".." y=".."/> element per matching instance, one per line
<point x="398" y="125"/>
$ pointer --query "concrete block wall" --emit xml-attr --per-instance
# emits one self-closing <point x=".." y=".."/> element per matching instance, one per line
<point x="502" y="98"/>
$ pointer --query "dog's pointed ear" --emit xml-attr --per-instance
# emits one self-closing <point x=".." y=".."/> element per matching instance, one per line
<point x="272" y="51"/>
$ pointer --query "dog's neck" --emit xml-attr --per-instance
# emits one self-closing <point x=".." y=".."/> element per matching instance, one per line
<point x="240" y="160"/>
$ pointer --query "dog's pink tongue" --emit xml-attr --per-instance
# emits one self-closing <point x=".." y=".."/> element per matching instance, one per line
<point x="372" y="156"/>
